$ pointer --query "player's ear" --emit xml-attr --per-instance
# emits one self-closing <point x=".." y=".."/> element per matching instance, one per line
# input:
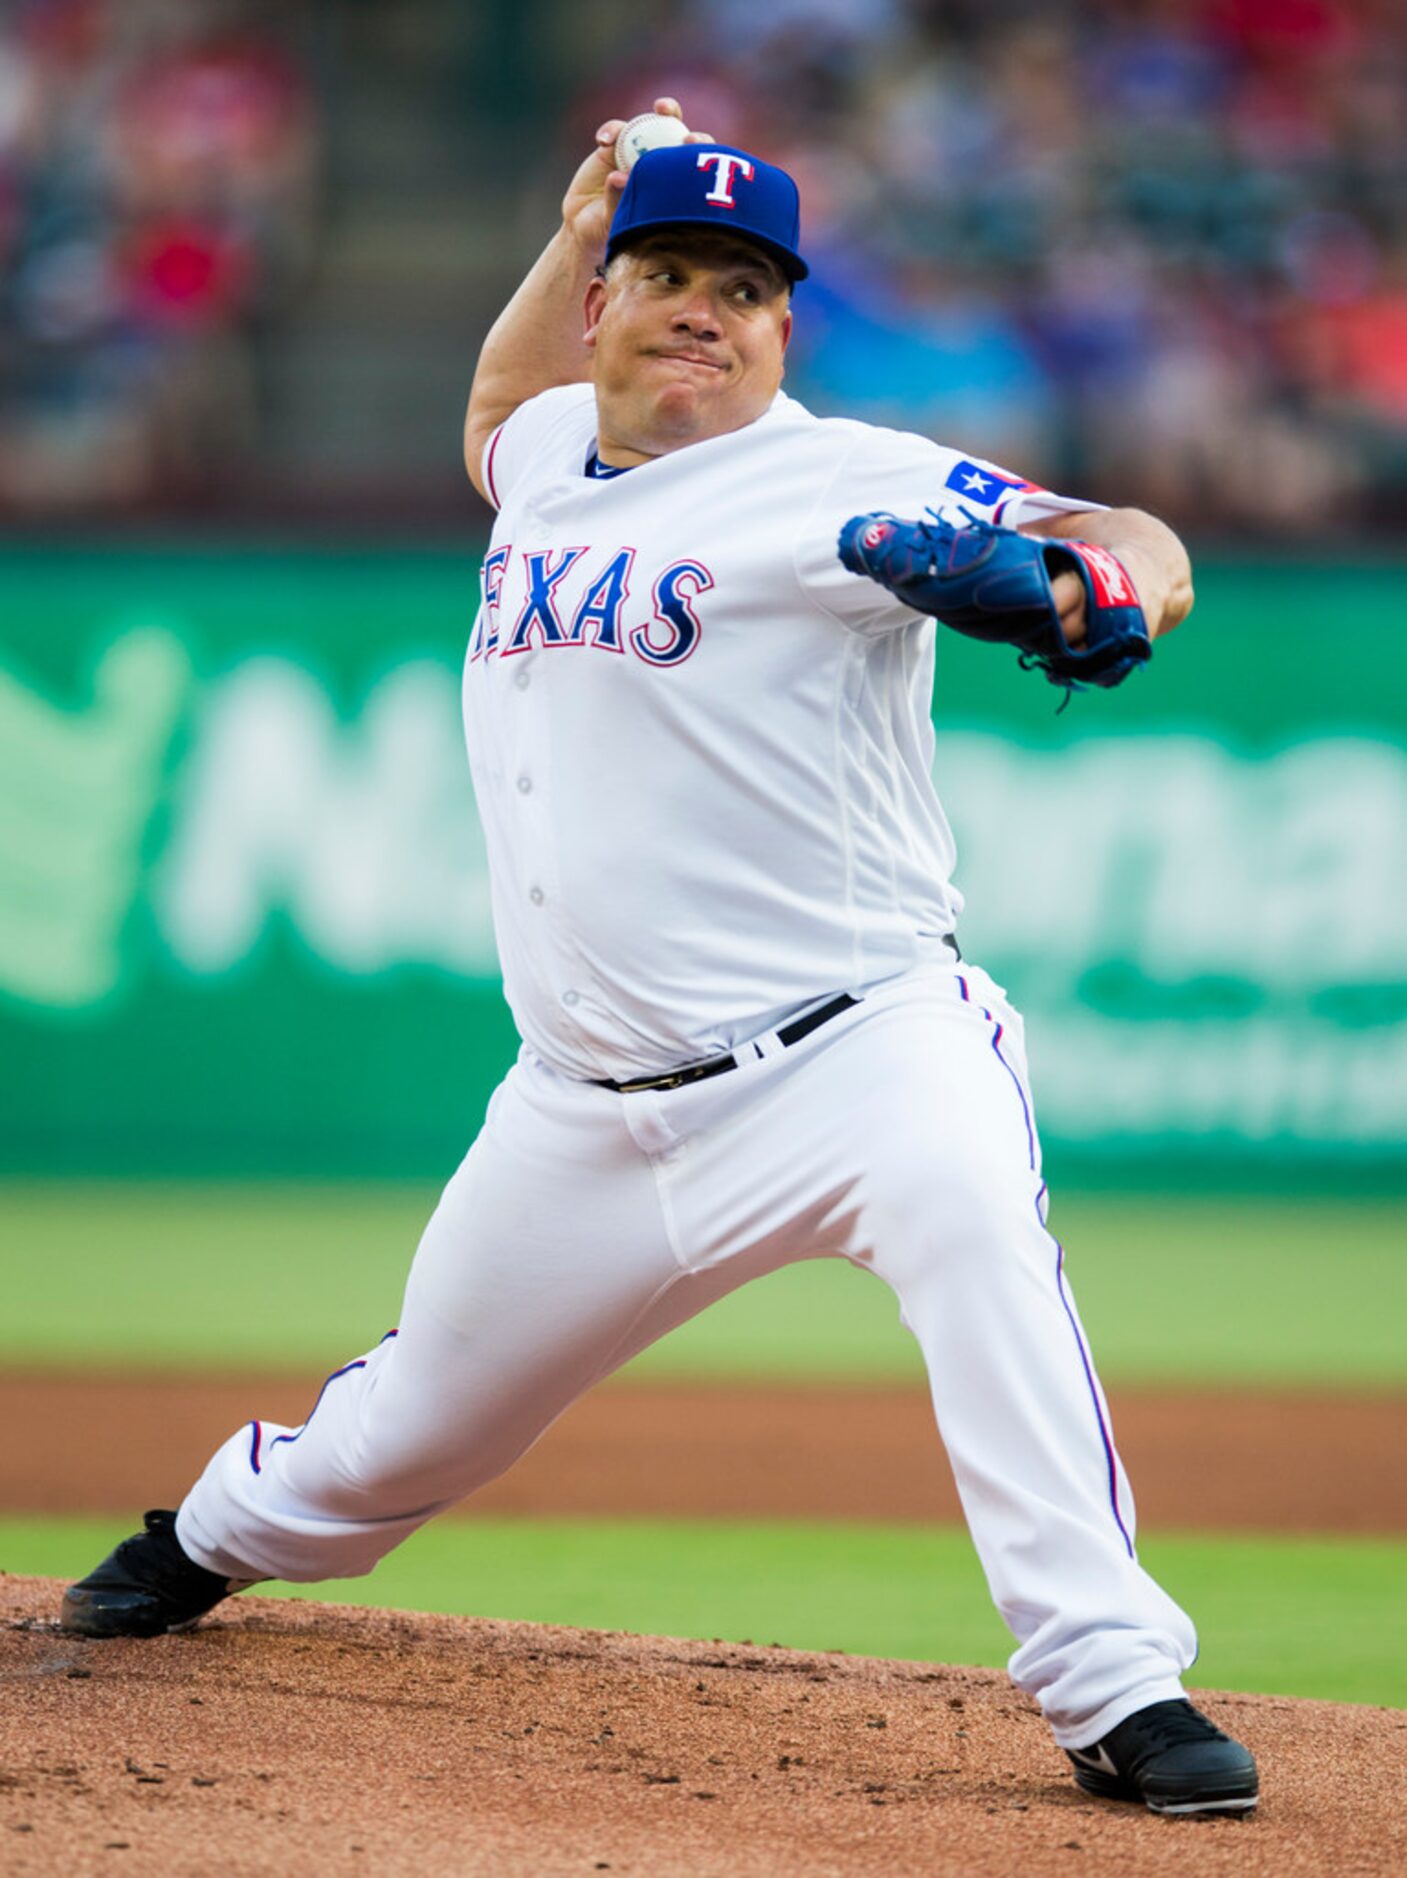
<point x="593" y="307"/>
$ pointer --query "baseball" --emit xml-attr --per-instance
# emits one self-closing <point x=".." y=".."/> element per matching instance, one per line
<point x="647" y="132"/>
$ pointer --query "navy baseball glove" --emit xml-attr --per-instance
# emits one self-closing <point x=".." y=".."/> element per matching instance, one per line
<point x="995" y="584"/>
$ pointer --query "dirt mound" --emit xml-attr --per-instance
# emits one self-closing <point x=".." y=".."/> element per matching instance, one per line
<point x="281" y="1737"/>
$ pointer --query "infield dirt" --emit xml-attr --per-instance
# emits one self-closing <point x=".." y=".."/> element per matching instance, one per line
<point x="1200" y="1461"/>
<point x="279" y="1738"/>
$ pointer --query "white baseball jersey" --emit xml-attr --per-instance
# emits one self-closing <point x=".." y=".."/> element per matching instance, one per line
<point x="701" y="746"/>
<point x="702" y="749"/>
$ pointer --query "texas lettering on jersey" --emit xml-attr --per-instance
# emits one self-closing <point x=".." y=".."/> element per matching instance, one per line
<point x="599" y="613"/>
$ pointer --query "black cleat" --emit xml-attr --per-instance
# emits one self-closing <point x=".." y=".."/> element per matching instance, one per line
<point x="145" y="1587"/>
<point x="1173" y="1759"/>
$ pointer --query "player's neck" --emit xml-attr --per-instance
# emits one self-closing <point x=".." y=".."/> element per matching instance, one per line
<point x="621" y="455"/>
<point x="665" y="439"/>
<point x="668" y="438"/>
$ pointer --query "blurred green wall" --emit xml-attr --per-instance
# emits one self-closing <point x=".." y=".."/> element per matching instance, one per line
<point x="244" y="921"/>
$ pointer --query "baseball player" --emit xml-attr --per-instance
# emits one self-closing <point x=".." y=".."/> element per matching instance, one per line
<point x="696" y="703"/>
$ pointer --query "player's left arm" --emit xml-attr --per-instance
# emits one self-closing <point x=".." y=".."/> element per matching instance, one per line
<point x="1080" y="595"/>
<point x="1151" y="554"/>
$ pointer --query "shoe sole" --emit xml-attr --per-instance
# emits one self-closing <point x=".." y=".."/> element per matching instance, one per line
<point x="1245" y="1804"/>
<point x="1236" y="1799"/>
<point x="82" y="1617"/>
<point x="87" y="1614"/>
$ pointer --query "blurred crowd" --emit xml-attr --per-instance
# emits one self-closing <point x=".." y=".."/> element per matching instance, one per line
<point x="1150" y="249"/>
<point x="158" y="171"/>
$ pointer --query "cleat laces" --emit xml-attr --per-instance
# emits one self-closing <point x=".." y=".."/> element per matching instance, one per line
<point x="1174" y="1725"/>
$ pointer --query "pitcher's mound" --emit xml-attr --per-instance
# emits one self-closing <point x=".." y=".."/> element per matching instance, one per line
<point x="282" y="1737"/>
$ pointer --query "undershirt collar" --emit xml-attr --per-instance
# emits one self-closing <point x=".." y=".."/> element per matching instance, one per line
<point x="603" y="472"/>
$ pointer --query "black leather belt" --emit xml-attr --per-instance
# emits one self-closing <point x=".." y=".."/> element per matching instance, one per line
<point x="786" y="1035"/>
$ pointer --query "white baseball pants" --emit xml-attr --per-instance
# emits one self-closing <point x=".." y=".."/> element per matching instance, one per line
<point x="584" y="1224"/>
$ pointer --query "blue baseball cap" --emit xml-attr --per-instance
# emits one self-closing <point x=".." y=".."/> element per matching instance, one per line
<point x="712" y="185"/>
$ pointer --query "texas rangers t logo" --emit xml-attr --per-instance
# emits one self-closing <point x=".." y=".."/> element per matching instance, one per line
<point x="728" y="167"/>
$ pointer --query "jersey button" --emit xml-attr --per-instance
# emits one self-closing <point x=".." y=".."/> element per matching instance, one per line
<point x="537" y="896"/>
<point x="525" y="785"/>
<point x="569" y="998"/>
<point x="522" y="681"/>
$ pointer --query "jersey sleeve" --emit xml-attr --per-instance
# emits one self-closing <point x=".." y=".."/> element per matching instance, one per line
<point x="906" y="474"/>
<point x="548" y="435"/>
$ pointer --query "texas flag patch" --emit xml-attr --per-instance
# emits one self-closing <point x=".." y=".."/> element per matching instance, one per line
<point x="976" y="483"/>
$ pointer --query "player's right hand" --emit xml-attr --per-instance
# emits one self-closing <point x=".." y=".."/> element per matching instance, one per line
<point x="592" y="195"/>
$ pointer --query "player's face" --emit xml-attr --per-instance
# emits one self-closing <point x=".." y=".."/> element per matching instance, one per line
<point x="688" y="337"/>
